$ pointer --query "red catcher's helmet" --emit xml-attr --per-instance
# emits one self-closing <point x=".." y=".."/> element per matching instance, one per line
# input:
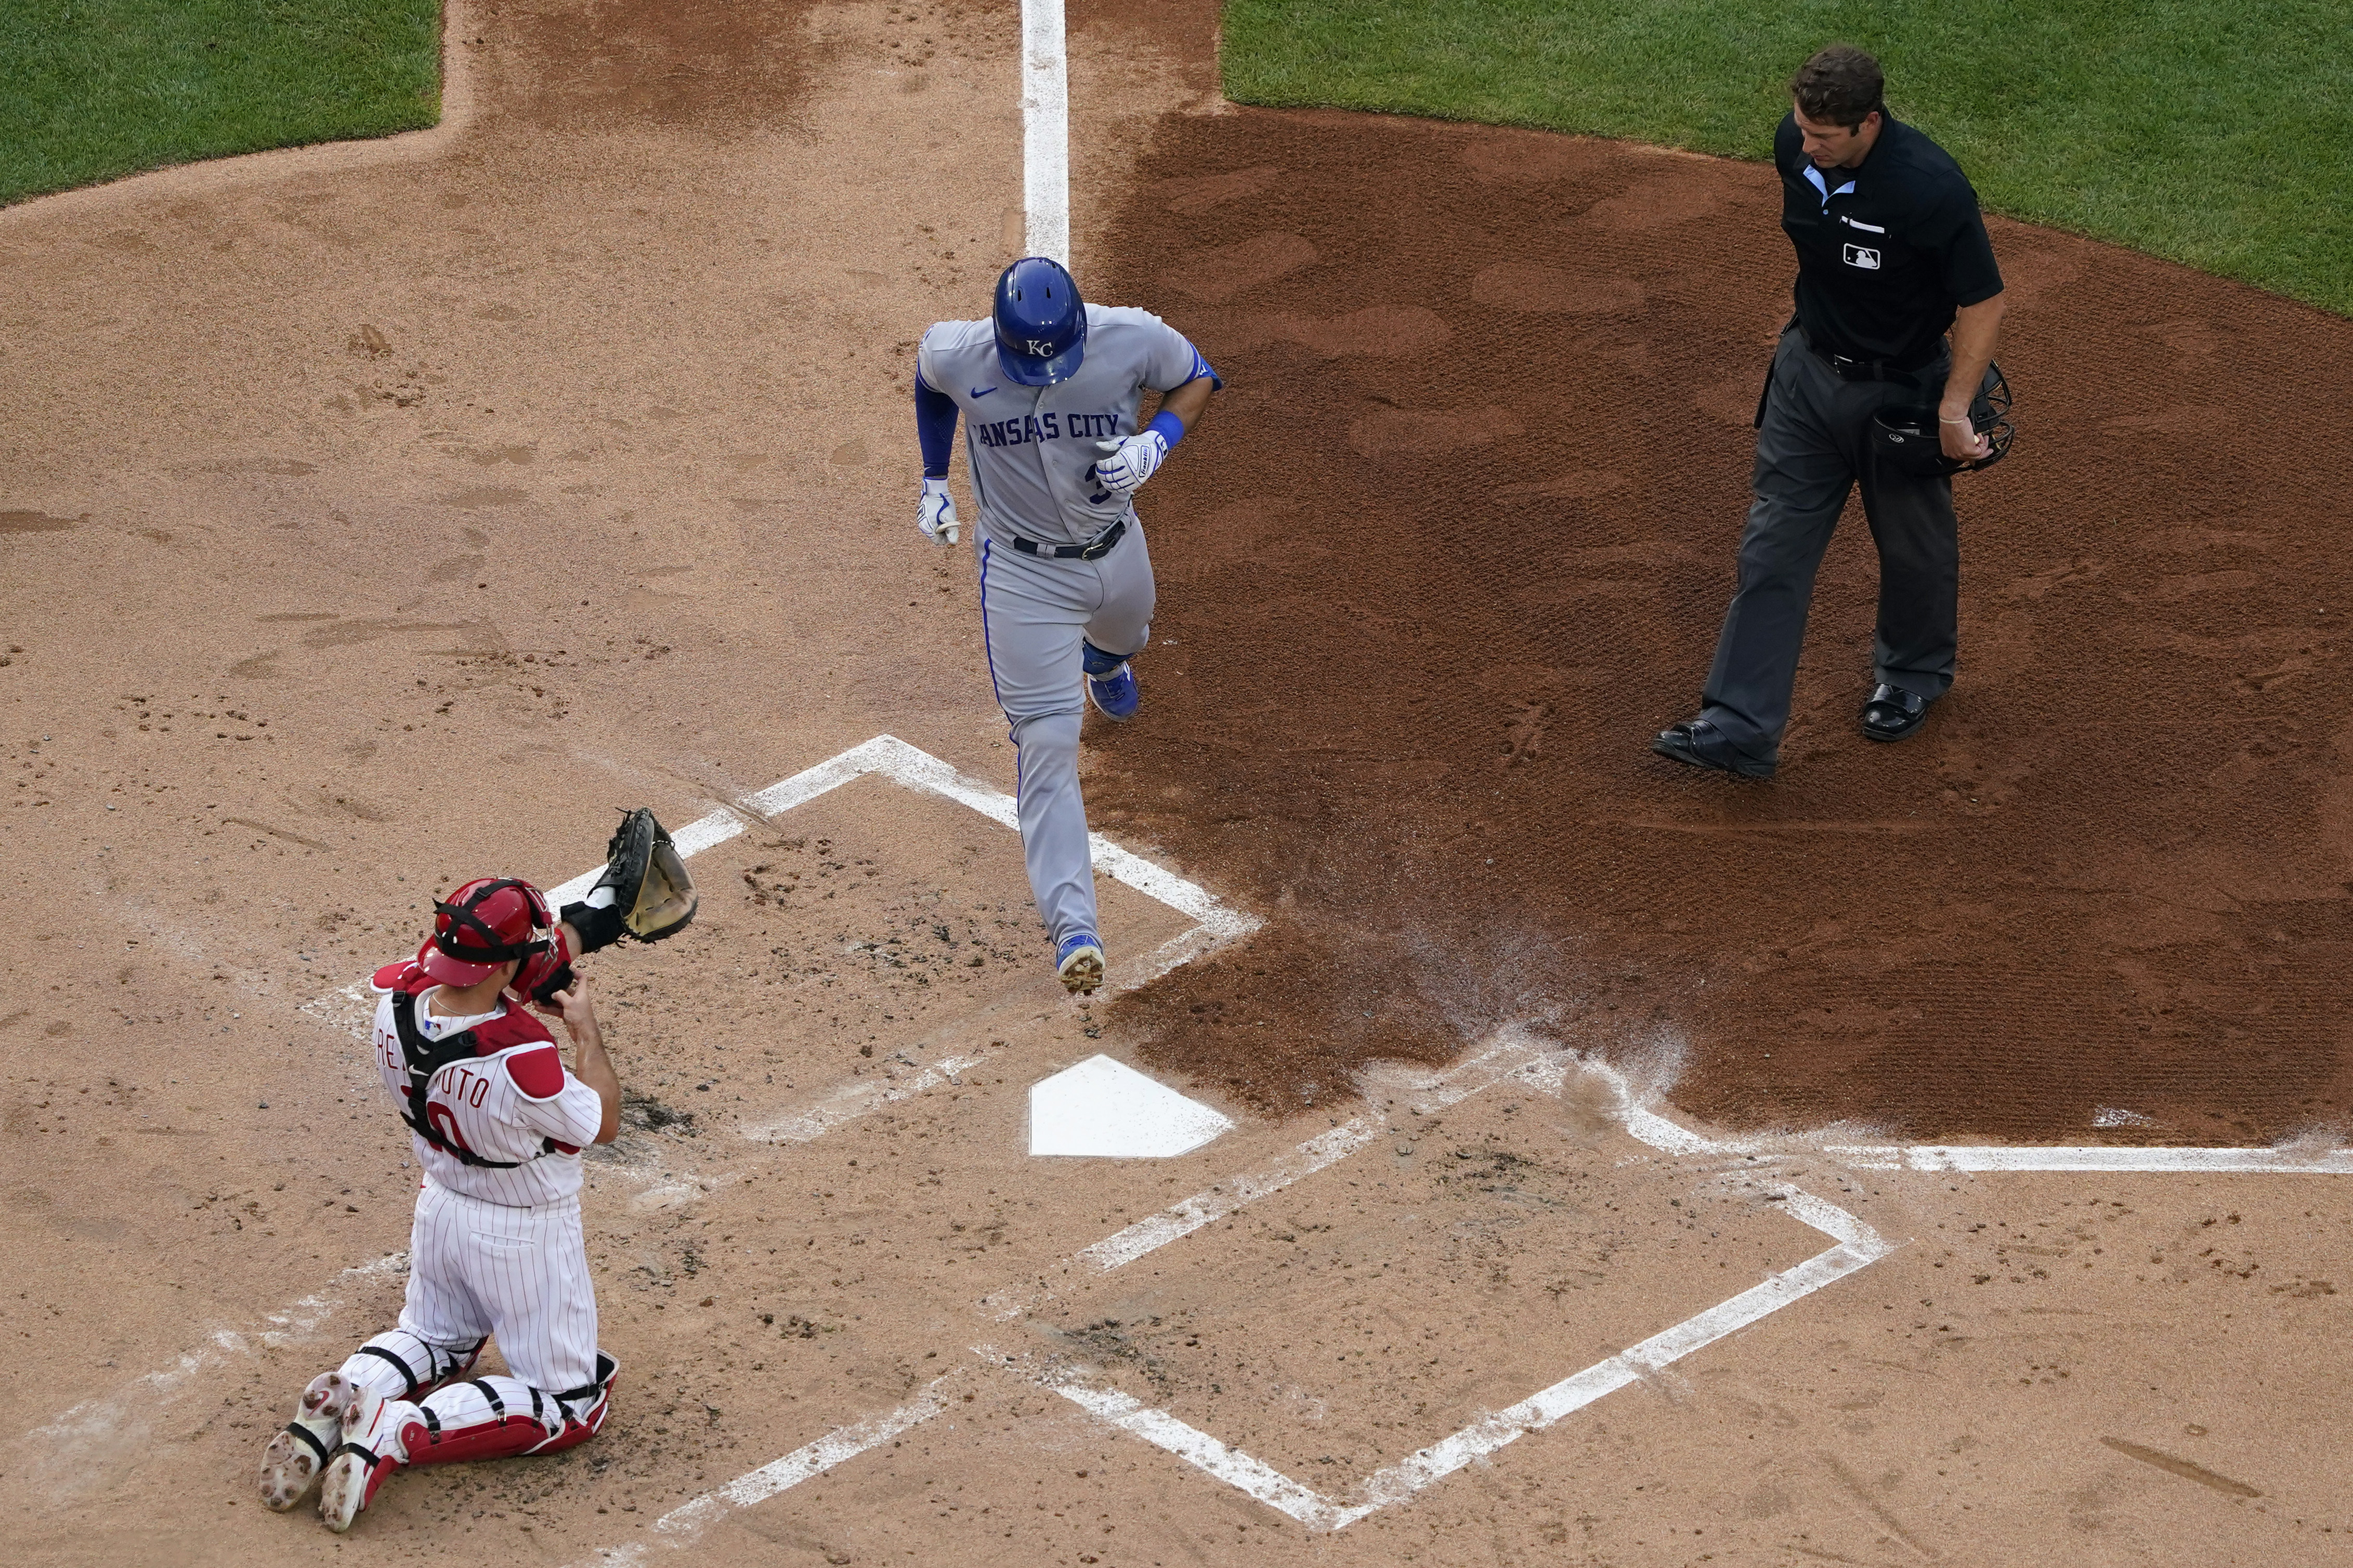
<point x="485" y="924"/>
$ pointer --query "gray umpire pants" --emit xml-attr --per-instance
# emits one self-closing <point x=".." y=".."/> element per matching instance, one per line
<point x="1033" y="613"/>
<point x="1813" y="447"/>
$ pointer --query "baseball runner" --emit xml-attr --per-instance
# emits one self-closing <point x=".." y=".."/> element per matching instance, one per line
<point x="497" y="1122"/>
<point x="1049" y="387"/>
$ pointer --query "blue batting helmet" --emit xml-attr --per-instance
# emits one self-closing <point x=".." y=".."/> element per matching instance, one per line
<point x="1041" y="323"/>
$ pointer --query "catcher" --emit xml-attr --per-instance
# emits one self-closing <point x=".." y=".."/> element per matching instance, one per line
<point x="497" y="1122"/>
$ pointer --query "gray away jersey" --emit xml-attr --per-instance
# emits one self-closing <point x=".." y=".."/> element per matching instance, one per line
<point x="1029" y="447"/>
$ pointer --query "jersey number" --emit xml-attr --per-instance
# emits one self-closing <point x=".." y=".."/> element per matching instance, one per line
<point x="444" y="1121"/>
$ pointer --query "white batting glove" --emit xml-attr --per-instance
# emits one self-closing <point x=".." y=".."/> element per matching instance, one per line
<point x="1126" y="463"/>
<point x="935" y="513"/>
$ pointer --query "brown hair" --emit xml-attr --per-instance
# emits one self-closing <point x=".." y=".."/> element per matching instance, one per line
<point x="1840" y="86"/>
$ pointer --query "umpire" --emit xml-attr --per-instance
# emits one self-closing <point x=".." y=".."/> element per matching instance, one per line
<point x="1891" y="253"/>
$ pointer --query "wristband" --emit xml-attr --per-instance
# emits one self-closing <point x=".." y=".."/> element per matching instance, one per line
<point x="1171" y="428"/>
<point x="1948" y="419"/>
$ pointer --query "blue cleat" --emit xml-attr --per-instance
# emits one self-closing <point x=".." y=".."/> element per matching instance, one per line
<point x="1115" y="695"/>
<point x="1080" y="961"/>
<point x="1111" y="684"/>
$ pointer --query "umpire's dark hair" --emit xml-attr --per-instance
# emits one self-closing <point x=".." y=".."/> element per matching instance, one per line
<point x="1840" y="86"/>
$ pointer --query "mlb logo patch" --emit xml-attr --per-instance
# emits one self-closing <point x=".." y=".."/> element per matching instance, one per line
<point x="1863" y="255"/>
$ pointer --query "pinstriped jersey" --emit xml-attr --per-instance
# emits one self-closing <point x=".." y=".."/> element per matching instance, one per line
<point x="511" y="1104"/>
<point x="1030" y="447"/>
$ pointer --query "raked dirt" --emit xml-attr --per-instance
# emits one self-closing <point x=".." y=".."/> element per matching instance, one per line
<point x="376" y="516"/>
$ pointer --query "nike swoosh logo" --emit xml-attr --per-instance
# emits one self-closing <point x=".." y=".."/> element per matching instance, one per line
<point x="981" y="391"/>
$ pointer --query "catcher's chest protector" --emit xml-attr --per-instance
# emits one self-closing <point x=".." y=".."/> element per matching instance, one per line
<point x="422" y="1059"/>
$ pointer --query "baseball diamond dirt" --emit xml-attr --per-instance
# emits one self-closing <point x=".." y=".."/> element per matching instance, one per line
<point x="1460" y="544"/>
<point x="374" y="517"/>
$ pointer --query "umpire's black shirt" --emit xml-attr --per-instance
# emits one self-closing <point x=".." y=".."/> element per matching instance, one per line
<point x="1888" y="250"/>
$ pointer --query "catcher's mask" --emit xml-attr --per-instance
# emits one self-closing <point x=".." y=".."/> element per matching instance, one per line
<point x="488" y="922"/>
<point x="1907" y="436"/>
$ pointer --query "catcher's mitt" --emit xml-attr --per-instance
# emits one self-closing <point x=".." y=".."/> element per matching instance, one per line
<point x="644" y="893"/>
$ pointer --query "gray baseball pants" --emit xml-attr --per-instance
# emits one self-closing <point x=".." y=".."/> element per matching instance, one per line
<point x="1813" y="447"/>
<point x="1034" y="611"/>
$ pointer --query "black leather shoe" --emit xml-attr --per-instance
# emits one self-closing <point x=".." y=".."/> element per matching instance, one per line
<point x="1892" y="712"/>
<point x="1700" y="744"/>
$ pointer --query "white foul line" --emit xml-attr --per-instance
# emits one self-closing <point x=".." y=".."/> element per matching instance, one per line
<point x="1669" y="1137"/>
<point x="2094" y="1159"/>
<point x="1046" y="129"/>
<point x="1217" y="923"/>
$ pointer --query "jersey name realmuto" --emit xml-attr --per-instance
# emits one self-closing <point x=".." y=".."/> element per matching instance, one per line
<point x="504" y="1106"/>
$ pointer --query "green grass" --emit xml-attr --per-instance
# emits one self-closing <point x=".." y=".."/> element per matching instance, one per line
<point x="93" y="89"/>
<point x="2217" y="132"/>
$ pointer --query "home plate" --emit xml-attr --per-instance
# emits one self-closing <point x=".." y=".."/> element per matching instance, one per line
<point x="1108" y="1109"/>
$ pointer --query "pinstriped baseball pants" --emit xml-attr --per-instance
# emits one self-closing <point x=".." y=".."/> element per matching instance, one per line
<point x="519" y="1274"/>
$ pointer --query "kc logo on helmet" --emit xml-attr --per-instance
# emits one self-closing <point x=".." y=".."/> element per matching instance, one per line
<point x="1862" y="255"/>
<point x="1041" y="349"/>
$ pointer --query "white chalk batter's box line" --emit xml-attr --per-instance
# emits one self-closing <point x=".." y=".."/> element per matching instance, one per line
<point x="1515" y="1054"/>
<point x="886" y="756"/>
<point x="1215" y="922"/>
<point x="1855" y="1246"/>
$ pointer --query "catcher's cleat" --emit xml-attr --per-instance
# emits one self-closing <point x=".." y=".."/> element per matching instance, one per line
<point x="1080" y="961"/>
<point x="296" y="1454"/>
<point x="370" y="1451"/>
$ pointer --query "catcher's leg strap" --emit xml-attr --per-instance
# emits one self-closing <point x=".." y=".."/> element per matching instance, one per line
<point x="421" y="1365"/>
<point x="310" y="1440"/>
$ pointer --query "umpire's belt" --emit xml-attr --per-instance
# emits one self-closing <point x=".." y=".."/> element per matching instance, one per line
<point x="1094" y="549"/>
<point x="1850" y="369"/>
